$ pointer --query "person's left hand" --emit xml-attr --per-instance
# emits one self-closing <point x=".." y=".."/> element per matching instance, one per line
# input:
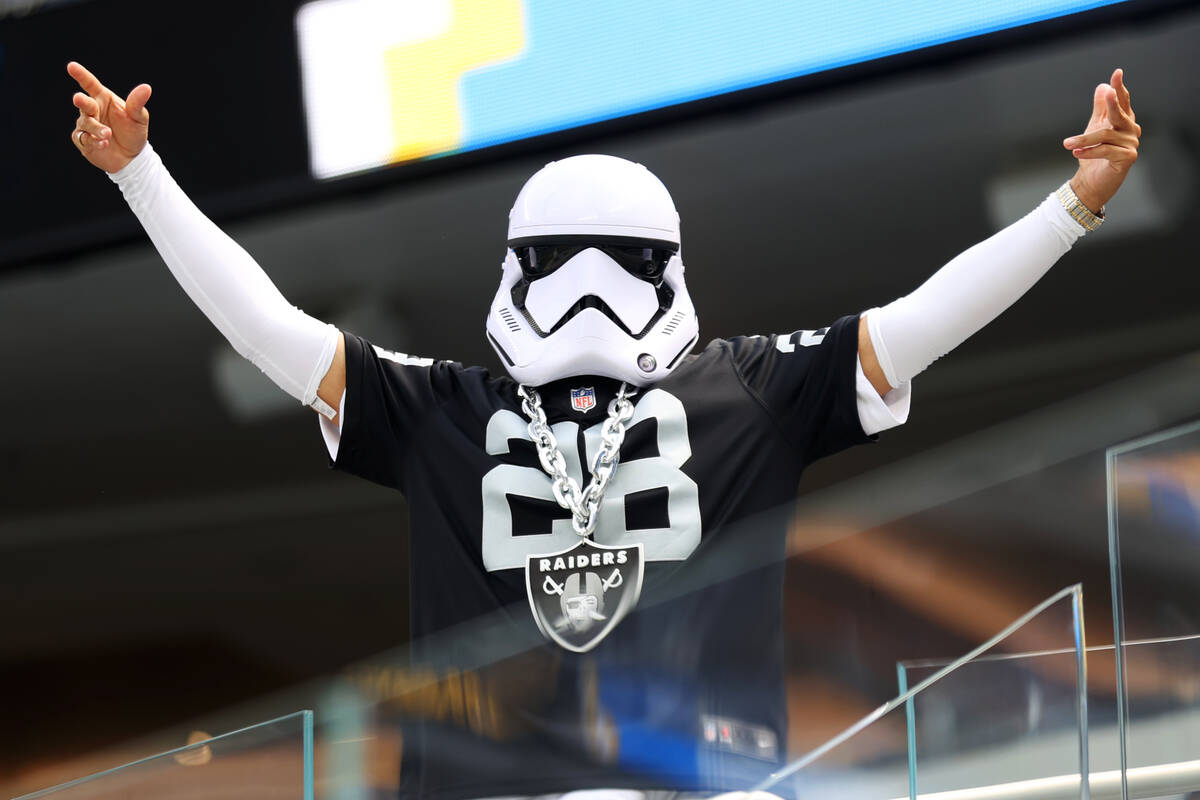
<point x="1108" y="147"/>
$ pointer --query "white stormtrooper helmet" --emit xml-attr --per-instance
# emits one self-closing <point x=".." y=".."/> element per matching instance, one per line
<point x="592" y="282"/>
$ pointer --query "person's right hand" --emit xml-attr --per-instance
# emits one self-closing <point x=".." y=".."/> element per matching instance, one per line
<point x="110" y="131"/>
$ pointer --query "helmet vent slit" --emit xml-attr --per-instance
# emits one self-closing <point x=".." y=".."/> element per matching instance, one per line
<point x="509" y="320"/>
<point x="673" y="323"/>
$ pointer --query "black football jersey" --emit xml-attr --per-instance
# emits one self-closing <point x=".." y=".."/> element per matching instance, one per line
<point x="680" y="684"/>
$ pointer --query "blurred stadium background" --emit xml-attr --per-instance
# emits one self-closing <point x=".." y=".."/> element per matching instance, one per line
<point x="172" y="547"/>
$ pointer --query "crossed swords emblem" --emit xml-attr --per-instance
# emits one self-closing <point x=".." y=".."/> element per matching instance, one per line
<point x="611" y="582"/>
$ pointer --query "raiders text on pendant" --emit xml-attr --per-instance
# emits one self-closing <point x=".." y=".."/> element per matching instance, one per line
<point x="575" y="562"/>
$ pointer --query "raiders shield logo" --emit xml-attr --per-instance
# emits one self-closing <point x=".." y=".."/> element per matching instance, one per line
<point x="583" y="400"/>
<point x="578" y="595"/>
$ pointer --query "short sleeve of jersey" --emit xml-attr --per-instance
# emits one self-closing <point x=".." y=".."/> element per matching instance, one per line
<point x="389" y="396"/>
<point x="806" y="382"/>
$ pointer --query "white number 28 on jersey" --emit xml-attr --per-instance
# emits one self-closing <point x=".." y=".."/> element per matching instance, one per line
<point x="503" y="550"/>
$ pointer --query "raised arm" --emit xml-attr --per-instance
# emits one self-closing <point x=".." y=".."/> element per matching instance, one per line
<point x="904" y="337"/>
<point x="303" y="356"/>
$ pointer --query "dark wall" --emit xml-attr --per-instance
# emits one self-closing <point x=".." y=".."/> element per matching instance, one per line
<point x="228" y="77"/>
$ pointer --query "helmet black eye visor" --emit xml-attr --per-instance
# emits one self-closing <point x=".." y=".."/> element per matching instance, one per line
<point x="643" y="258"/>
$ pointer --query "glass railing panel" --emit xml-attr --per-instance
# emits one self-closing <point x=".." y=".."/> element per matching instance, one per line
<point x="1012" y="714"/>
<point x="1154" y="541"/>
<point x="955" y="724"/>
<point x="272" y="759"/>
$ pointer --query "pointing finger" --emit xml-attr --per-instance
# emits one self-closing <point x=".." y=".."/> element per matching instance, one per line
<point x="86" y="80"/>
<point x="1123" y="96"/>
<point x="135" y="104"/>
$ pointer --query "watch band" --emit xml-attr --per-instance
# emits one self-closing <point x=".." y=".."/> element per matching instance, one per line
<point x="1088" y="219"/>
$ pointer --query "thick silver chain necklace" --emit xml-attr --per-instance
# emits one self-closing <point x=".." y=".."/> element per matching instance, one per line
<point x="582" y="503"/>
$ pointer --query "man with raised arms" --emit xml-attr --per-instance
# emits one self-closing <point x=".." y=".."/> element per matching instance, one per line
<point x="600" y="487"/>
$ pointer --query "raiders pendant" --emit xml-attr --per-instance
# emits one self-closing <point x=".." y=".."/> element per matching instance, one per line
<point x="578" y="595"/>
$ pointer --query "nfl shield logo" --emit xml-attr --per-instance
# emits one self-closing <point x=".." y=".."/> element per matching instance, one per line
<point x="583" y="400"/>
<point x="578" y="595"/>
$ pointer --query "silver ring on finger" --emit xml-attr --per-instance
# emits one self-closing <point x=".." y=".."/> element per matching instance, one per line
<point x="79" y="136"/>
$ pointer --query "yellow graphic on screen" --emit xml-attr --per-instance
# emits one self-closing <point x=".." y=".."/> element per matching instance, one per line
<point x="423" y="76"/>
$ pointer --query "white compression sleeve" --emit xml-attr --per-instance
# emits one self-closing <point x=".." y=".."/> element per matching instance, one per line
<point x="911" y="333"/>
<point x="293" y="349"/>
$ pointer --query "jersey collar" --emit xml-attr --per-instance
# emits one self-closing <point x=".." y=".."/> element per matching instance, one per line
<point x="580" y="398"/>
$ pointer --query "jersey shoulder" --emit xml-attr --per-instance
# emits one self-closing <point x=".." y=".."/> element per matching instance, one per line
<point x="804" y="380"/>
